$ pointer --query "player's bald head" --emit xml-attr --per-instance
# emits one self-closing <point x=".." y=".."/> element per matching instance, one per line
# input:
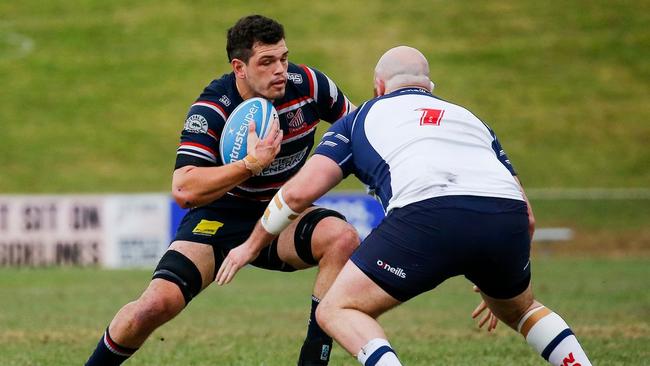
<point x="403" y="66"/>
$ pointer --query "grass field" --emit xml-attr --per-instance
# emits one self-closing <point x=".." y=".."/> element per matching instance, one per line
<point x="55" y="316"/>
<point x="94" y="93"/>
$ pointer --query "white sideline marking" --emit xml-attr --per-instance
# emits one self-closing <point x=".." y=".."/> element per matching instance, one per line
<point x="548" y="234"/>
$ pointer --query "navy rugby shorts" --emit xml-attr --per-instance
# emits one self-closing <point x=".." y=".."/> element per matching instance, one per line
<point x="225" y="224"/>
<point x="420" y="245"/>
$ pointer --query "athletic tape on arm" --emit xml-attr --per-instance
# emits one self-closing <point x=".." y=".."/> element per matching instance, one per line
<point x="278" y="215"/>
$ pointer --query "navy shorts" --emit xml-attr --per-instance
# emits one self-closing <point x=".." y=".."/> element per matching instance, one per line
<point x="226" y="224"/>
<point x="419" y="246"/>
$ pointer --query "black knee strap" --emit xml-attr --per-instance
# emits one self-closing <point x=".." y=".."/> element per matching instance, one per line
<point x="177" y="268"/>
<point x="270" y="259"/>
<point x="304" y="230"/>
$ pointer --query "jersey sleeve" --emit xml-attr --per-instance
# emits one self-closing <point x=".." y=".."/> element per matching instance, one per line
<point x="332" y="104"/>
<point x="199" y="142"/>
<point x="336" y="143"/>
<point x="501" y="153"/>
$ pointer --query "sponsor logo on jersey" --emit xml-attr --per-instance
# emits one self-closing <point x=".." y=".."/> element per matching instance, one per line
<point x="241" y="133"/>
<point x="196" y="123"/>
<point x="430" y="116"/>
<point x="207" y="227"/>
<point x="285" y="163"/>
<point x="296" y="118"/>
<point x="295" y="78"/>
<point x="225" y="100"/>
<point x="394" y="270"/>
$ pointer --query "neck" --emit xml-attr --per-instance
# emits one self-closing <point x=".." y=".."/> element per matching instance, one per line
<point x="407" y="86"/>
<point x="244" y="91"/>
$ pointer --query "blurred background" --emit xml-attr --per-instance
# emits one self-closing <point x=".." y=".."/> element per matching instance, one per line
<point x="94" y="94"/>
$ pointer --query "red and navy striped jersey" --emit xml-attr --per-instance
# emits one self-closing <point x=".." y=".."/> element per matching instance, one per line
<point x="310" y="96"/>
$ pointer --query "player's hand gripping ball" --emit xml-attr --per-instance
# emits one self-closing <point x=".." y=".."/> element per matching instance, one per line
<point x="259" y="111"/>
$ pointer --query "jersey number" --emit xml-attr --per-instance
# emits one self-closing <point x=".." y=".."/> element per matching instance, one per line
<point x="430" y="116"/>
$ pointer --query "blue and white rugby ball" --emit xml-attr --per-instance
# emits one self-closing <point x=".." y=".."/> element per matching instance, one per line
<point x="232" y="146"/>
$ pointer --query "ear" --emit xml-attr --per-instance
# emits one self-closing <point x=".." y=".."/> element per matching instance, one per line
<point x="380" y="87"/>
<point x="239" y="68"/>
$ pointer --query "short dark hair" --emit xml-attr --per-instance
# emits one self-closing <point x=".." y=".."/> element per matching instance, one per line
<point x="247" y="31"/>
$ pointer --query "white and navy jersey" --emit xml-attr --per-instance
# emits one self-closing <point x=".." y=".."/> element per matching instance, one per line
<point x="408" y="146"/>
<point x="309" y="97"/>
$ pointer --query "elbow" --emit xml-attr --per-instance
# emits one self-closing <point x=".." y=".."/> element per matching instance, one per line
<point x="183" y="198"/>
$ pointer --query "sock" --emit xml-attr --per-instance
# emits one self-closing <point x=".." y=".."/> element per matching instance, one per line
<point x="318" y="345"/>
<point x="109" y="353"/>
<point x="378" y="352"/>
<point x="552" y="338"/>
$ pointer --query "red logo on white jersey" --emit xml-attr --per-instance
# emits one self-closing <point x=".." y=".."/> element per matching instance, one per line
<point x="431" y="116"/>
<point x="569" y="360"/>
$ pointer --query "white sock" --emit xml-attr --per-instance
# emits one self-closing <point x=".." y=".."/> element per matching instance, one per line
<point x="378" y="352"/>
<point x="552" y="338"/>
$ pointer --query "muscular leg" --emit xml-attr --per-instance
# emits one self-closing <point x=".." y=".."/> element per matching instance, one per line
<point x="543" y="329"/>
<point x="159" y="303"/>
<point x="349" y="310"/>
<point x="330" y="244"/>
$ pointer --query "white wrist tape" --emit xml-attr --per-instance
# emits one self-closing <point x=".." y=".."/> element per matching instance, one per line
<point x="278" y="215"/>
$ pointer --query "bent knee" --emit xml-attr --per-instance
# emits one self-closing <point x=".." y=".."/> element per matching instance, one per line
<point x="342" y="241"/>
<point x="157" y="309"/>
<point x="324" y="315"/>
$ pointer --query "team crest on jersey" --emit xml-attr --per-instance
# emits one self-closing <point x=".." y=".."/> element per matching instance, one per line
<point x="296" y="118"/>
<point x="225" y="100"/>
<point x="196" y="123"/>
<point x="295" y="78"/>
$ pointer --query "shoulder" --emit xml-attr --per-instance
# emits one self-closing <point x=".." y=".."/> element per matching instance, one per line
<point x="218" y="97"/>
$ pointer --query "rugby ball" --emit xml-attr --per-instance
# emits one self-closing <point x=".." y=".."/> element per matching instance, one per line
<point x="232" y="146"/>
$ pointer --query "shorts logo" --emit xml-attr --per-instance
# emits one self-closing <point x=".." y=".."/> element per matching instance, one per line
<point x="207" y="227"/>
<point x="295" y="78"/>
<point x="394" y="270"/>
<point x="196" y="123"/>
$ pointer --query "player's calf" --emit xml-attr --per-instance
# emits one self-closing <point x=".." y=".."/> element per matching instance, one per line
<point x="175" y="282"/>
<point x="322" y="238"/>
<point x="552" y="338"/>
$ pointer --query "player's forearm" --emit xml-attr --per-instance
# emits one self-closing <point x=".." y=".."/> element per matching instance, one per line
<point x="197" y="186"/>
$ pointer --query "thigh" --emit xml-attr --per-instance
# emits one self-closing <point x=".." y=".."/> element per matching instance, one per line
<point x="353" y="289"/>
<point x="206" y="235"/>
<point x="408" y="253"/>
<point x="499" y="261"/>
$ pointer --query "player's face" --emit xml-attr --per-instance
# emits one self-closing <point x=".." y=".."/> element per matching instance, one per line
<point x="266" y="71"/>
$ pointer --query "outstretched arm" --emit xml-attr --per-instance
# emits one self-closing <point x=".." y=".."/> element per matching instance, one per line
<point x="319" y="175"/>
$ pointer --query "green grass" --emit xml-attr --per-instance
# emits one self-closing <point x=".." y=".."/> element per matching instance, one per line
<point x="55" y="316"/>
<point x="98" y="103"/>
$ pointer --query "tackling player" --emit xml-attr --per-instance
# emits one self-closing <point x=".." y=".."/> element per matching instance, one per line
<point x="227" y="200"/>
<point x="454" y="206"/>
